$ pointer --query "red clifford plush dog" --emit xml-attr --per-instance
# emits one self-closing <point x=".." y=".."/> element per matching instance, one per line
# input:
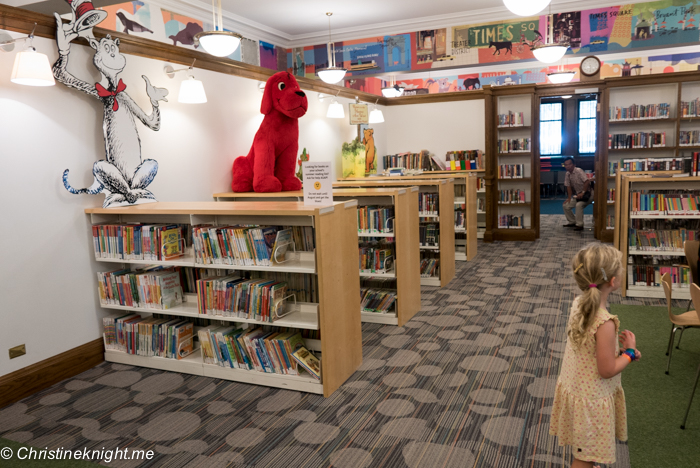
<point x="270" y="164"/>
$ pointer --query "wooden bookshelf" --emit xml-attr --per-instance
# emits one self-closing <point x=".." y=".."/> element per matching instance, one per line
<point x="335" y="315"/>
<point x="406" y="270"/>
<point x="466" y="245"/>
<point x="445" y="190"/>
<point x="629" y="183"/>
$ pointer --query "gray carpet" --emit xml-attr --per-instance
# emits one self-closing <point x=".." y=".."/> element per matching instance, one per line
<point x="468" y="382"/>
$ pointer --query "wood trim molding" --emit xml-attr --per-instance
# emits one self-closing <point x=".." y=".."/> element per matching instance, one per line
<point x="41" y="375"/>
<point x="22" y="21"/>
<point x="433" y="98"/>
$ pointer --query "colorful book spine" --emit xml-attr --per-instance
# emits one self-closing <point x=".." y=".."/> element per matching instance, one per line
<point x="514" y="196"/>
<point x="511" y="171"/>
<point x="511" y="119"/>
<point x="636" y="140"/>
<point x="639" y="112"/>
<point x="517" y="145"/>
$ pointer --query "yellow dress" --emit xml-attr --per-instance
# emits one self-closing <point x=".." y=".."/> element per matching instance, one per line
<point x="589" y="411"/>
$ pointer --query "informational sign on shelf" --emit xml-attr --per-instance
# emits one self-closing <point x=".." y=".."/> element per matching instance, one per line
<point x="359" y="114"/>
<point x="318" y="183"/>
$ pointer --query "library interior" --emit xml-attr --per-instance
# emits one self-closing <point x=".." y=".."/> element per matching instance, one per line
<point x="350" y="234"/>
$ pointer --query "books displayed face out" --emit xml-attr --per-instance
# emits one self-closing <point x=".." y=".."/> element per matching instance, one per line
<point x="162" y="337"/>
<point x="156" y="242"/>
<point x="246" y="245"/>
<point x="309" y="362"/>
<point x="258" y="349"/>
<point x="665" y="202"/>
<point x="232" y="296"/>
<point x="639" y="112"/>
<point x="636" y="140"/>
<point x="150" y="288"/>
<point x="516" y="145"/>
<point x="375" y="219"/>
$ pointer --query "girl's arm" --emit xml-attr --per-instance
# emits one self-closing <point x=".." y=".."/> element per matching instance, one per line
<point x="609" y="364"/>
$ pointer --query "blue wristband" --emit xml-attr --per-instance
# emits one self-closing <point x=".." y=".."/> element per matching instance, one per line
<point x="630" y="352"/>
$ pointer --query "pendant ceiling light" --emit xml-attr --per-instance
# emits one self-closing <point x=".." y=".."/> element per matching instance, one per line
<point x="526" y="7"/>
<point x="331" y="74"/>
<point x="553" y="51"/>
<point x="393" y="90"/>
<point x="31" y="68"/>
<point x="219" y="43"/>
<point x="376" y="116"/>
<point x="561" y="76"/>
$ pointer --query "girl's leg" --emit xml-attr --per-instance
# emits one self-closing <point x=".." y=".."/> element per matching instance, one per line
<point x="581" y="464"/>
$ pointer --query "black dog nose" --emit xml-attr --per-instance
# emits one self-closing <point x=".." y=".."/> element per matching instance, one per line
<point x="300" y="93"/>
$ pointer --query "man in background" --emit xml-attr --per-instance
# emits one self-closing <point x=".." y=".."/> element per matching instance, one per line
<point x="579" y="194"/>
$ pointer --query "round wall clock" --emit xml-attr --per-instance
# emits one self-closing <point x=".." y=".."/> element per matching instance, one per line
<point x="590" y="65"/>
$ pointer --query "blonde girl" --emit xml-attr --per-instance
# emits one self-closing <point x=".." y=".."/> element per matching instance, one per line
<point x="589" y="404"/>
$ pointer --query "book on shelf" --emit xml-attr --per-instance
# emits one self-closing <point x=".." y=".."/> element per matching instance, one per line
<point x="613" y="167"/>
<point x="308" y="362"/>
<point x="233" y="296"/>
<point x="374" y="219"/>
<point x="513" y="196"/>
<point x="653" y="164"/>
<point x="283" y="241"/>
<point x="639" y="112"/>
<point x="515" y="145"/>
<point x="610" y="222"/>
<point x="659" y="240"/>
<point x="429" y="265"/>
<point x="464" y="160"/>
<point x="689" y="138"/>
<point x="420" y="160"/>
<point x="428" y="204"/>
<point x="437" y="164"/>
<point x="511" y="222"/>
<point x="650" y="274"/>
<point x="376" y="257"/>
<point x="148" y="288"/>
<point x="611" y="195"/>
<point x="511" y="171"/>
<point x="377" y="300"/>
<point x="429" y="234"/>
<point x="637" y="140"/>
<point x="690" y="108"/>
<point x="480" y="205"/>
<point x="460" y="218"/>
<point x="665" y="202"/>
<point x="511" y="119"/>
<point x="170" y="338"/>
<point x="480" y="183"/>
<point x="139" y="241"/>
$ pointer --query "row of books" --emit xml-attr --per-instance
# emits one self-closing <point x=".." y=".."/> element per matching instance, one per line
<point x="460" y="219"/>
<point x="233" y="296"/>
<point x="463" y="160"/>
<point x="637" y="140"/>
<point x="376" y="258"/>
<point x="511" y="196"/>
<point x="480" y="183"/>
<point x="610" y="222"/>
<point x="611" y="195"/>
<point x="692" y="167"/>
<point x="650" y="275"/>
<point x="639" y="112"/>
<point x="653" y="164"/>
<point x="511" y="119"/>
<point x="689" y="138"/>
<point x="149" y="288"/>
<point x="240" y="245"/>
<point x="258" y="349"/>
<point x="377" y="300"/>
<point x="660" y="240"/>
<point x="170" y="338"/>
<point x="511" y="171"/>
<point x="428" y="203"/>
<point x="690" y="108"/>
<point x="480" y="205"/>
<point x="430" y="266"/>
<point x="670" y="202"/>
<point x="511" y="222"/>
<point x="420" y="160"/>
<point x="515" y="145"/>
<point x="372" y="219"/>
<point x="429" y="234"/>
<point x="156" y="242"/>
<point x="612" y="167"/>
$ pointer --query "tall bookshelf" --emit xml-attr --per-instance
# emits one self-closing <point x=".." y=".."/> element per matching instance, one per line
<point x="445" y="252"/>
<point x="404" y="228"/>
<point x="653" y="257"/>
<point x="335" y="314"/>
<point x="526" y="180"/>
<point x="469" y="201"/>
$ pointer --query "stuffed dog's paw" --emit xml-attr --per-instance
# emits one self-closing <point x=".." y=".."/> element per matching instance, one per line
<point x="267" y="184"/>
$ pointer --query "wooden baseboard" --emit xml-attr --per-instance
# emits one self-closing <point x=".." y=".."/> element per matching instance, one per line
<point x="34" y="378"/>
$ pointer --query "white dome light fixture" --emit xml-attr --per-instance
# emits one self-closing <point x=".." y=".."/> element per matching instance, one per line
<point x="526" y="7"/>
<point x="550" y="53"/>
<point x="561" y="76"/>
<point x="218" y="43"/>
<point x="30" y="68"/>
<point x="376" y="116"/>
<point x="392" y="90"/>
<point x="332" y="74"/>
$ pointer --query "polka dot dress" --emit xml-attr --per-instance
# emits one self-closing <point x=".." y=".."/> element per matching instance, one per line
<point x="589" y="411"/>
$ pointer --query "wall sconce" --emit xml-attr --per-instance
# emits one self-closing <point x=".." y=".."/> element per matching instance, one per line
<point x="31" y="68"/>
<point x="376" y="116"/>
<point x="335" y="110"/>
<point x="322" y="97"/>
<point x="191" y="90"/>
<point x="261" y="86"/>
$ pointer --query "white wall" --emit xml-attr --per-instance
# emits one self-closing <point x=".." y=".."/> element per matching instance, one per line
<point x="48" y="298"/>
<point x="439" y="127"/>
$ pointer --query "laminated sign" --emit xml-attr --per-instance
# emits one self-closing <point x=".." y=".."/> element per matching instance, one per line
<point x="318" y="184"/>
<point x="359" y="114"/>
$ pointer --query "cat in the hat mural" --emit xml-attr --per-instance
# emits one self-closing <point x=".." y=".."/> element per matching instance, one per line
<point x="123" y="176"/>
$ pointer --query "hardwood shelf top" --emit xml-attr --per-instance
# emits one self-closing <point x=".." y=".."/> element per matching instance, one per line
<point x="359" y="192"/>
<point x="688" y="147"/>
<point x="367" y="182"/>
<point x="661" y="178"/>
<point x="690" y="119"/>
<point x="632" y="150"/>
<point x="424" y="175"/>
<point x="277" y="208"/>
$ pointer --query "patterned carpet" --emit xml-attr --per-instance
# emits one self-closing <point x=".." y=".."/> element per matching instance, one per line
<point x="468" y="382"/>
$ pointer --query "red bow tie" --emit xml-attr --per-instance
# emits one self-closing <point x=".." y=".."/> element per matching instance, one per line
<point x="102" y="92"/>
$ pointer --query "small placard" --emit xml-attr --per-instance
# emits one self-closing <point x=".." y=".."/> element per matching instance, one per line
<point x="318" y="183"/>
<point x="359" y="114"/>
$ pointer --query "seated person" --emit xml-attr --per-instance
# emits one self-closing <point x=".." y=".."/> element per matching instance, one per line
<point x="579" y="192"/>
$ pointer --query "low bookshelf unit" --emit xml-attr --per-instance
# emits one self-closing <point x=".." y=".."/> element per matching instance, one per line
<point x="399" y="230"/>
<point x="330" y="325"/>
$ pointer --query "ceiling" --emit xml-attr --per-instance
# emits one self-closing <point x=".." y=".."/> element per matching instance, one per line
<point x="304" y="22"/>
